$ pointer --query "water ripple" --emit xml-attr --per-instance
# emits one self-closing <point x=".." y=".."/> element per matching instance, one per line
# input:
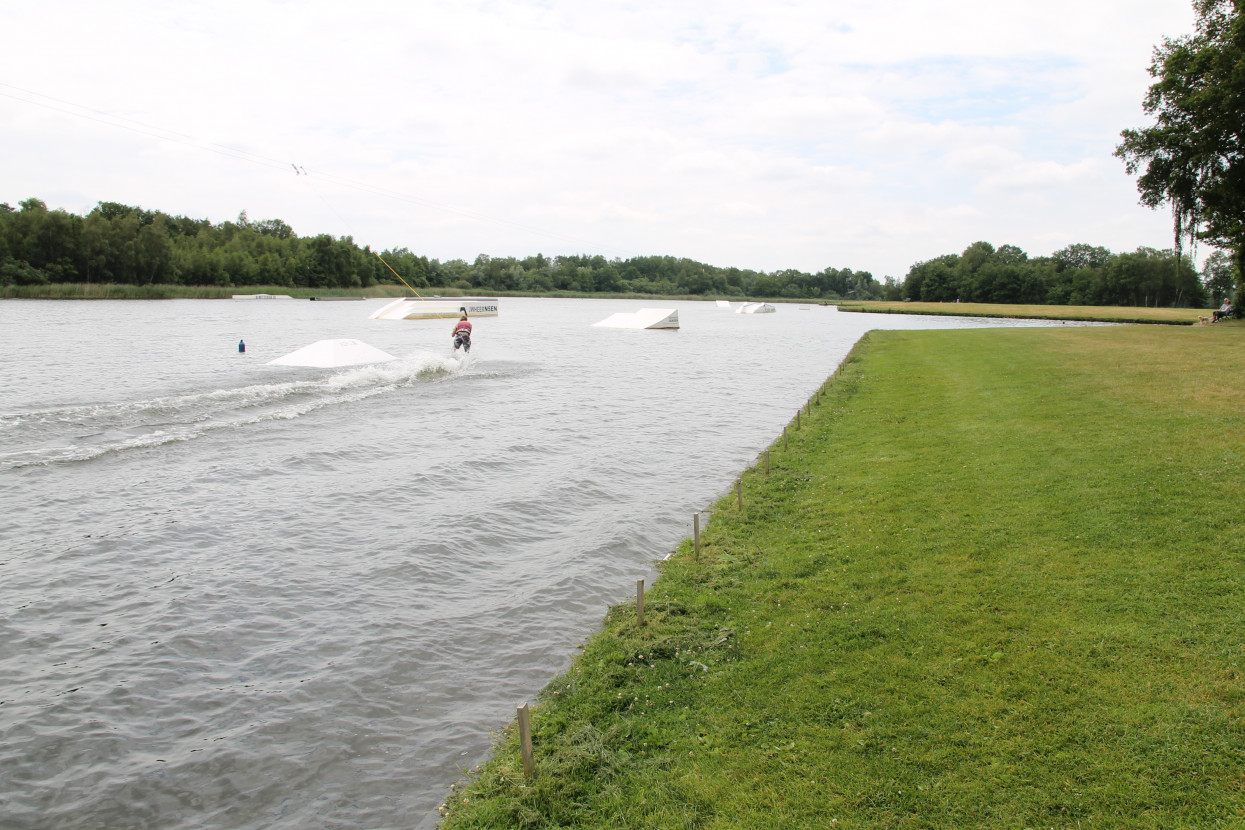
<point x="241" y="597"/>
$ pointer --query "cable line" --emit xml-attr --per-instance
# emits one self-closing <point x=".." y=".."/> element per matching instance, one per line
<point x="109" y="119"/>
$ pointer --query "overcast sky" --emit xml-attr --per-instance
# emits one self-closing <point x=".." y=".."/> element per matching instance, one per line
<point x="765" y="135"/>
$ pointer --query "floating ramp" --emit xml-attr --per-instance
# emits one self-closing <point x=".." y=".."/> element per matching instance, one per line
<point x="645" y="318"/>
<point x="755" y="308"/>
<point x="331" y="354"/>
<point x="434" y="308"/>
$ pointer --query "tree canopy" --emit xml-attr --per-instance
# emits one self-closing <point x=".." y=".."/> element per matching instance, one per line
<point x="122" y="244"/>
<point x="1079" y="274"/>
<point x="1193" y="157"/>
<point x="117" y="243"/>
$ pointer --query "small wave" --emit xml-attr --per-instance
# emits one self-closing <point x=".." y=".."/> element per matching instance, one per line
<point x="88" y="431"/>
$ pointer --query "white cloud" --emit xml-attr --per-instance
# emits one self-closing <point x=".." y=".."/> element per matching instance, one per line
<point x="981" y="159"/>
<point x="762" y="135"/>
<point x="1044" y="175"/>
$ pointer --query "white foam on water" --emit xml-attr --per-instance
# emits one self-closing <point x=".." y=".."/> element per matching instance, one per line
<point x="85" y="432"/>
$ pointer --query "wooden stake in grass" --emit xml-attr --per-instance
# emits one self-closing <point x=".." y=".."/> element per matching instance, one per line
<point x="1119" y="387"/>
<point x="525" y="741"/>
<point x="639" y="602"/>
<point x="739" y="492"/>
<point x="784" y="438"/>
<point x="797" y="419"/>
<point x="696" y="534"/>
<point x="767" y="462"/>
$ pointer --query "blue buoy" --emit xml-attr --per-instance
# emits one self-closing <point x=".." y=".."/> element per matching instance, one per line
<point x="241" y="346"/>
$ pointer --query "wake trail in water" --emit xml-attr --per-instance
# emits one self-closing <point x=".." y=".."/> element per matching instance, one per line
<point x="84" y="432"/>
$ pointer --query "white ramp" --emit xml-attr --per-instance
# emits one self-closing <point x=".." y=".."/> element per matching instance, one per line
<point x="645" y="318"/>
<point x="436" y="308"/>
<point x="330" y="354"/>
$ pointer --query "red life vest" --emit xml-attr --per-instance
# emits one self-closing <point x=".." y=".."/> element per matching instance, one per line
<point x="462" y="326"/>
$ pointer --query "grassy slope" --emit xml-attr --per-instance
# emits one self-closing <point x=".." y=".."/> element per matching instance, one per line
<point x="996" y="581"/>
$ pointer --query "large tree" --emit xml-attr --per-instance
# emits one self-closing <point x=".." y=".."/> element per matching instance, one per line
<point x="1194" y="156"/>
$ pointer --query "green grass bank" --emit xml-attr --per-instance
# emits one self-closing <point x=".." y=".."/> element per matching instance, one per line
<point x="995" y="581"/>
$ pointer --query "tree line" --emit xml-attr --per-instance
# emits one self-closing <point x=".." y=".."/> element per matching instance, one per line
<point x="1076" y="275"/>
<point x="128" y="245"/>
<point x="122" y="244"/>
<point x="1193" y="157"/>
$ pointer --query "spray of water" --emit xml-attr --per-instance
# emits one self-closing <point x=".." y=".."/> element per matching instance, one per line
<point x="83" y="432"/>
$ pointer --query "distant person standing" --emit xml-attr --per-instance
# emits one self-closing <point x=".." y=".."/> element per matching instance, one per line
<point x="462" y="334"/>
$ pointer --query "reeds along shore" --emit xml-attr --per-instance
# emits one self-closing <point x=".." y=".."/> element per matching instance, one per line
<point x="993" y="581"/>
<point x="112" y="291"/>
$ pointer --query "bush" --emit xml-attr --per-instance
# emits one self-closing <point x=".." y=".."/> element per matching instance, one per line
<point x="13" y="272"/>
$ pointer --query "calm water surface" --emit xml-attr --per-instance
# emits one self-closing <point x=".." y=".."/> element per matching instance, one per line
<point x="235" y="595"/>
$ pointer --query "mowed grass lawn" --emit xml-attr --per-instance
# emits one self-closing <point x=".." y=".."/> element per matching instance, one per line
<point x="997" y="580"/>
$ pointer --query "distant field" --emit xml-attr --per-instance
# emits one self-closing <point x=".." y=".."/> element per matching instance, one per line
<point x="996" y="581"/>
<point x="105" y="291"/>
<point x="1113" y="314"/>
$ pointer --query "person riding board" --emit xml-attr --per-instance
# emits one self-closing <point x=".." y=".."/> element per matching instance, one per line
<point x="462" y="334"/>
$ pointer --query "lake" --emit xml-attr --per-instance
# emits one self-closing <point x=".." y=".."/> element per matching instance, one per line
<point x="236" y="595"/>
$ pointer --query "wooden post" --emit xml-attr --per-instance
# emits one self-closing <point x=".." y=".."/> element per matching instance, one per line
<point x="696" y="534"/>
<point x="639" y="602"/>
<point x="739" y="492"/>
<point x="767" y="462"/>
<point x="797" y="419"/>
<point x="784" y="438"/>
<point x="525" y="741"/>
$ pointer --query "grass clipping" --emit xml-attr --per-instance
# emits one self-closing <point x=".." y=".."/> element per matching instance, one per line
<point x="995" y="581"/>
